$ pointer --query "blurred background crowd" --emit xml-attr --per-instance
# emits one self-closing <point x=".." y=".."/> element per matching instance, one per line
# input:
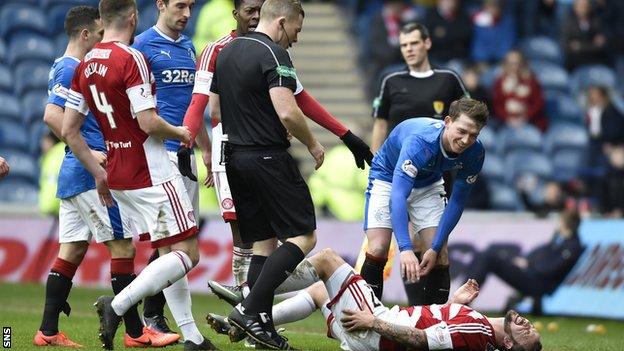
<point x="547" y="69"/>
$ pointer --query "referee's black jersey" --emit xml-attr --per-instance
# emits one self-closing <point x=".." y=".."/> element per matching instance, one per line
<point x="407" y="94"/>
<point x="245" y="71"/>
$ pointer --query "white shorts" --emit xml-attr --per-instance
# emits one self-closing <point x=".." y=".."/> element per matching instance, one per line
<point x="355" y="295"/>
<point x="163" y="213"/>
<point x="425" y="205"/>
<point x="222" y="187"/>
<point x="192" y="188"/>
<point x="82" y="217"/>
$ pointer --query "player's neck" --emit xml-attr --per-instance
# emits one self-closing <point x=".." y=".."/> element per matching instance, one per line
<point x="121" y="35"/>
<point x="167" y="31"/>
<point x="498" y="324"/>
<point x="74" y="49"/>
<point x="271" y="32"/>
<point x="423" y="67"/>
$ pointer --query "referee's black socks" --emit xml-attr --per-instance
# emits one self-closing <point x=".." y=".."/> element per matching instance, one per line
<point x="255" y="267"/>
<point x="58" y="285"/>
<point x="122" y="274"/>
<point x="372" y="271"/>
<point x="277" y="267"/>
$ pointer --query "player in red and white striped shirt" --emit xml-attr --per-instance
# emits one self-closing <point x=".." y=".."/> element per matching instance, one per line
<point x="361" y="322"/>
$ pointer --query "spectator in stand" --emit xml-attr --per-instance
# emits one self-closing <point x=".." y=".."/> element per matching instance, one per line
<point x="4" y="167"/>
<point x="472" y="83"/>
<point x="584" y="39"/>
<point x="450" y="30"/>
<point x="494" y="32"/>
<point x="612" y="196"/>
<point x="517" y="95"/>
<point x="541" y="270"/>
<point x="539" y="17"/>
<point x="554" y="196"/>
<point x="385" y="28"/>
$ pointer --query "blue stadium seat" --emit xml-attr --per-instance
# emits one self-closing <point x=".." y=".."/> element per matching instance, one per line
<point x="585" y="76"/>
<point x="6" y="79"/>
<point x="487" y="136"/>
<point x="550" y="75"/>
<point x="147" y="17"/>
<point x="18" y="191"/>
<point x="493" y="168"/>
<point x="455" y="65"/>
<point x="11" y="109"/>
<point x="48" y="4"/>
<point x="3" y="51"/>
<point x="488" y="77"/>
<point x="565" y="136"/>
<point x="13" y="135"/>
<point x="568" y="164"/>
<point x="23" y="165"/>
<point x="34" y="105"/>
<point x="526" y="137"/>
<point x="22" y="19"/>
<point x="504" y="197"/>
<point x="56" y="17"/>
<point x="31" y="76"/>
<point x="37" y="130"/>
<point x="31" y="48"/>
<point x="561" y="107"/>
<point x="60" y="43"/>
<point x="519" y="163"/>
<point x="541" y="48"/>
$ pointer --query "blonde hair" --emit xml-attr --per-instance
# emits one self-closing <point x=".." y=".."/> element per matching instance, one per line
<point x="272" y="9"/>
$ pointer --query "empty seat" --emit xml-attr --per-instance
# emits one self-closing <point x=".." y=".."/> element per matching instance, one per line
<point x="10" y="108"/>
<point x="60" y="44"/>
<point x="16" y="20"/>
<point x="147" y="17"/>
<point x="23" y="165"/>
<point x="542" y="48"/>
<point x="31" y="48"/>
<point x="49" y="4"/>
<point x="56" y="17"/>
<point x="31" y="76"/>
<point x="585" y="76"/>
<point x="6" y="79"/>
<point x="488" y="77"/>
<point x="493" y="168"/>
<point x="13" y="135"/>
<point x="565" y="136"/>
<point x="487" y="136"/>
<point x="526" y="137"/>
<point x="34" y="106"/>
<point x="550" y="75"/>
<point x="3" y="51"/>
<point x="503" y="197"/>
<point x="19" y="191"/>
<point x="568" y="164"/>
<point x="563" y="108"/>
<point x="519" y="163"/>
<point x="36" y="132"/>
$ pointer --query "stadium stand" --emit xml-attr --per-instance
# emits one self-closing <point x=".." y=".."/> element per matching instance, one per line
<point x="550" y="75"/>
<point x="524" y="138"/>
<point x="541" y="48"/>
<point x="585" y="76"/>
<point x="13" y="134"/>
<point x="6" y="79"/>
<point x="30" y="47"/>
<point x="11" y="110"/>
<point x="31" y="76"/>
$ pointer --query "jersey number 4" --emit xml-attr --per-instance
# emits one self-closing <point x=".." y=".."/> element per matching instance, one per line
<point x="102" y="105"/>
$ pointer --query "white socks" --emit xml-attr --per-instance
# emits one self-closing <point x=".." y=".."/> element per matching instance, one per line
<point x="178" y="297"/>
<point x="240" y="264"/>
<point x="154" y="278"/>
<point x="302" y="277"/>
<point x="293" y="309"/>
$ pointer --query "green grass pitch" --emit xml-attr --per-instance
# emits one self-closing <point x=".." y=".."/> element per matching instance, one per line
<point x="22" y="307"/>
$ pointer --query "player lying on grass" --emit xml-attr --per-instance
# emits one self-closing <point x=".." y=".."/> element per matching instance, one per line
<point x="360" y="321"/>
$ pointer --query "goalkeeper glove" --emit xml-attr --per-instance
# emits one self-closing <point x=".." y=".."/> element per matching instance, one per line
<point x="184" y="162"/>
<point x="361" y="152"/>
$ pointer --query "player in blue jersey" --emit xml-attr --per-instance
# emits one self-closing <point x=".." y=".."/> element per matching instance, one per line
<point x="171" y="56"/>
<point x="81" y="216"/>
<point x="406" y="185"/>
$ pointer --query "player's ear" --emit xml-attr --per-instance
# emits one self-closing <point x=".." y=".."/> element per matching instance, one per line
<point x="160" y="4"/>
<point x="428" y="43"/>
<point x="84" y="33"/>
<point x="234" y="13"/>
<point x="447" y="120"/>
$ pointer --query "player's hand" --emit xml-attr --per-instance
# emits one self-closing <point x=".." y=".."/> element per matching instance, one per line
<point x="354" y="320"/>
<point x="361" y="152"/>
<point x="207" y="158"/>
<point x="184" y="135"/>
<point x="4" y="167"/>
<point x="100" y="157"/>
<point x="101" y="184"/>
<point x="410" y="270"/>
<point x="428" y="262"/>
<point x="184" y="163"/>
<point x="466" y="293"/>
<point x="318" y="152"/>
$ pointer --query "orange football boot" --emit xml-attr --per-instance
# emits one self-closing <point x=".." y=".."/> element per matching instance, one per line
<point x="60" y="339"/>
<point x="151" y="338"/>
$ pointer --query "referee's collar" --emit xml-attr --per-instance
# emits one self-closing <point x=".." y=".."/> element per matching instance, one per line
<point x="424" y="74"/>
<point x="260" y="34"/>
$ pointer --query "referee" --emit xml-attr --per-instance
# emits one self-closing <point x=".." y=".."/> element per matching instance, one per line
<point x="418" y="91"/>
<point x="252" y="93"/>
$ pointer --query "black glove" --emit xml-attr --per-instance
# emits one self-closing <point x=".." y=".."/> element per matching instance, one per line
<point x="361" y="152"/>
<point x="184" y="162"/>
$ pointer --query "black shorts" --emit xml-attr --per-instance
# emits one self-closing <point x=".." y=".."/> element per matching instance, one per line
<point x="270" y="195"/>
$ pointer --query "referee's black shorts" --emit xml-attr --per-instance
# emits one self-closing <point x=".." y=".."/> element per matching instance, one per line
<point x="270" y="195"/>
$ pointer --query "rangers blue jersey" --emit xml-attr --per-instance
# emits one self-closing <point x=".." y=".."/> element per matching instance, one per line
<point x="173" y="64"/>
<point x="413" y="157"/>
<point x="73" y="178"/>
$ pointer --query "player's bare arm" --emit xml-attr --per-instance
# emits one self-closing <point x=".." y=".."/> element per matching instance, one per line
<point x="152" y="124"/>
<point x="294" y="120"/>
<point x="203" y="141"/>
<point x="380" y="130"/>
<point x="72" y="121"/>
<point x="214" y="103"/>
<point x="4" y="167"/>
<point x="364" y="320"/>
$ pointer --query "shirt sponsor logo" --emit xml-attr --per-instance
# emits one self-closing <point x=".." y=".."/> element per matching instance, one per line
<point x="377" y="102"/>
<point x="409" y="168"/>
<point x="166" y="53"/>
<point x="471" y="179"/>
<point x="102" y="54"/>
<point x="286" y="71"/>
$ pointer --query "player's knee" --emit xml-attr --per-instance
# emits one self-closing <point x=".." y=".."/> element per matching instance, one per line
<point x="73" y="252"/>
<point x="121" y="248"/>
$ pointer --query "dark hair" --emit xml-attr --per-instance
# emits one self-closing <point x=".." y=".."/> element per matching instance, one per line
<point x="410" y="27"/>
<point x="474" y="109"/>
<point x="112" y="11"/>
<point x="238" y="3"/>
<point x="79" y="18"/>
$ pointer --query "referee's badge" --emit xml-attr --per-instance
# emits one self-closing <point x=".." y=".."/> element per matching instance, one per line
<point x="438" y="106"/>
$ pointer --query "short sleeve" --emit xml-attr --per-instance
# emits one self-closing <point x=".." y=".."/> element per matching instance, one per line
<point x="75" y="98"/>
<point x="137" y="79"/>
<point x="413" y="156"/>
<point x="278" y="69"/>
<point x="60" y="85"/>
<point x="381" y="104"/>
